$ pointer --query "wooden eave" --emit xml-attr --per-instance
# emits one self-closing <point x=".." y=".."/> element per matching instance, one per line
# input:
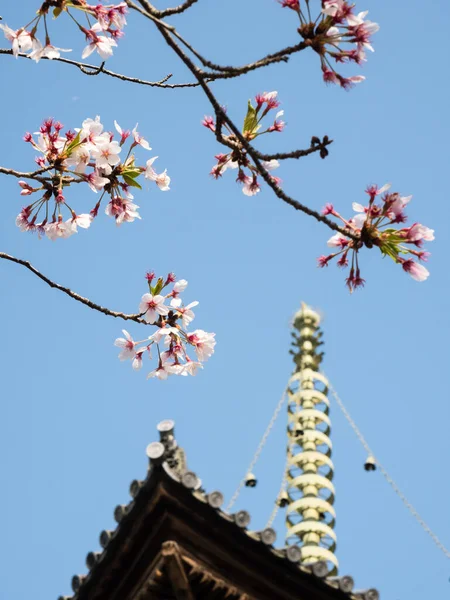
<point x="172" y="545"/>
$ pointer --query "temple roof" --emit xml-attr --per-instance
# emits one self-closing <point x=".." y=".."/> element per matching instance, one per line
<point x="173" y="542"/>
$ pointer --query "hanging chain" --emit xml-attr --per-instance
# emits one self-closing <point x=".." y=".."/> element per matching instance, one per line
<point x="283" y="488"/>
<point x="258" y="450"/>
<point x="388" y="478"/>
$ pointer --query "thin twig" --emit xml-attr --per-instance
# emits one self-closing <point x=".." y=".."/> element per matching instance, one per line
<point x="106" y="311"/>
<point x="31" y="175"/>
<point x="230" y="71"/>
<point x="225" y="72"/>
<point x="87" y="69"/>
<point x="176" y="10"/>
<point x="198" y="74"/>
<point x="295" y="153"/>
<point x="166" y="12"/>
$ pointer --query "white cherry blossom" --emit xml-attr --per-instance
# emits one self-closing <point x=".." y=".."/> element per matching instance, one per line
<point x="152" y="307"/>
<point x="100" y="43"/>
<point x="127" y="344"/>
<point x="203" y="342"/>
<point x="106" y="155"/>
<point x="139" y="139"/>
<point x="48" y="51"/>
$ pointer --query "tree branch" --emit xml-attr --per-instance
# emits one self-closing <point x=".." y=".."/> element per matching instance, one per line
<point x="317" y="147"/>
<point x="166" y="12"/>
<point x="31" y="175"/>
<point x="106" y="311"/>
<point x="226" y="72"/>
<point x="220" y="114"/>
<point x="93" y="70"/>
<point x="176" y="10"/>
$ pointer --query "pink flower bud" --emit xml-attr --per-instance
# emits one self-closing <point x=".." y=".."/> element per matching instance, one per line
<point x="328" y="209"/>
<point x="343" y="260"/>
<point x="322" y="261"/>
<point x="293" y="4"/>
<point x="94" y="211"/>
<point x="209" y="123"/>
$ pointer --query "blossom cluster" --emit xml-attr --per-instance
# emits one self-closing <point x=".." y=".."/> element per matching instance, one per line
<point x="237" y="158"/>
<point x="374" y="225"/>
<point x="100" y="36"/>
<point x="336" y="34"/>
<point x="88" y="155"/>
<point x="172" y="321"/>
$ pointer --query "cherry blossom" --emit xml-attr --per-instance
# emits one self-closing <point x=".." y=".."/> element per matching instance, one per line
<point x="48" y="51"/>
<point x="137" y="361"/>
<point x="416" y="270"/>
<point x="124" y="134"/>
<point x="171" y="323"/>
<point x="152" y="306"/>
<point x="58" y="229"/>
<point x="127" y="344"/>
<point x="100" y="43"/>
<point x="203" y="342"/>
<point x="122" y="210"/>
<point x="251" y="185"/>
<point x="101" y="35"/>
<point x="106" y="156"/>
<point x="190" y="367"/>
<point x="252" y="128"/>
<point x="84" y="221"/>
<point x="138" y="139"/>
<point x="163" y="332"/>
<point x="89" y="155"/>
<point x="187" y="315"/>
<point x="163" y="371"/>
<point x="373" y="225"/>
<point x="335" y="34"/>
<point x="293" y="4"/>
<point x="162" y="180"/>
<point x="21" y="40"/>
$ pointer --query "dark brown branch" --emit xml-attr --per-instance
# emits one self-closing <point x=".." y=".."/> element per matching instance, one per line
<point x="106" y="311"/>
<point x="229" y="71"/>
<point x="220" y="114"/>
<point x="225" y="72"/>
<point x="31" y="175"/>
<point x="87" y="69"/>
<point x="176" y="10"/>
<point x="166" y="12"/>
<point x="318" y="147"/>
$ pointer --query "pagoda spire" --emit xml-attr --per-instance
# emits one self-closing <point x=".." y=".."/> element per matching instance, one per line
<point x="310" y="514"/>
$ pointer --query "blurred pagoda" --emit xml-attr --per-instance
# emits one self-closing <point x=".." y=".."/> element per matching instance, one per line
<point x="174" y="542"/>
<point x="310" y="491"/>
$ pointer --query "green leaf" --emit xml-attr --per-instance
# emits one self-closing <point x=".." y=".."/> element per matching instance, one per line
<point x="133" y="172"/>
<point x="73" y="144"/>
<point x="158" y="287"/>
<point x="130" y="181"/>
<point x="389" y="249"/>
<point x="251" y="120"/>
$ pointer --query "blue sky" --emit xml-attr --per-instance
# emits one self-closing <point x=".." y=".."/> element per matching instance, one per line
<point x="74" y="422"/>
